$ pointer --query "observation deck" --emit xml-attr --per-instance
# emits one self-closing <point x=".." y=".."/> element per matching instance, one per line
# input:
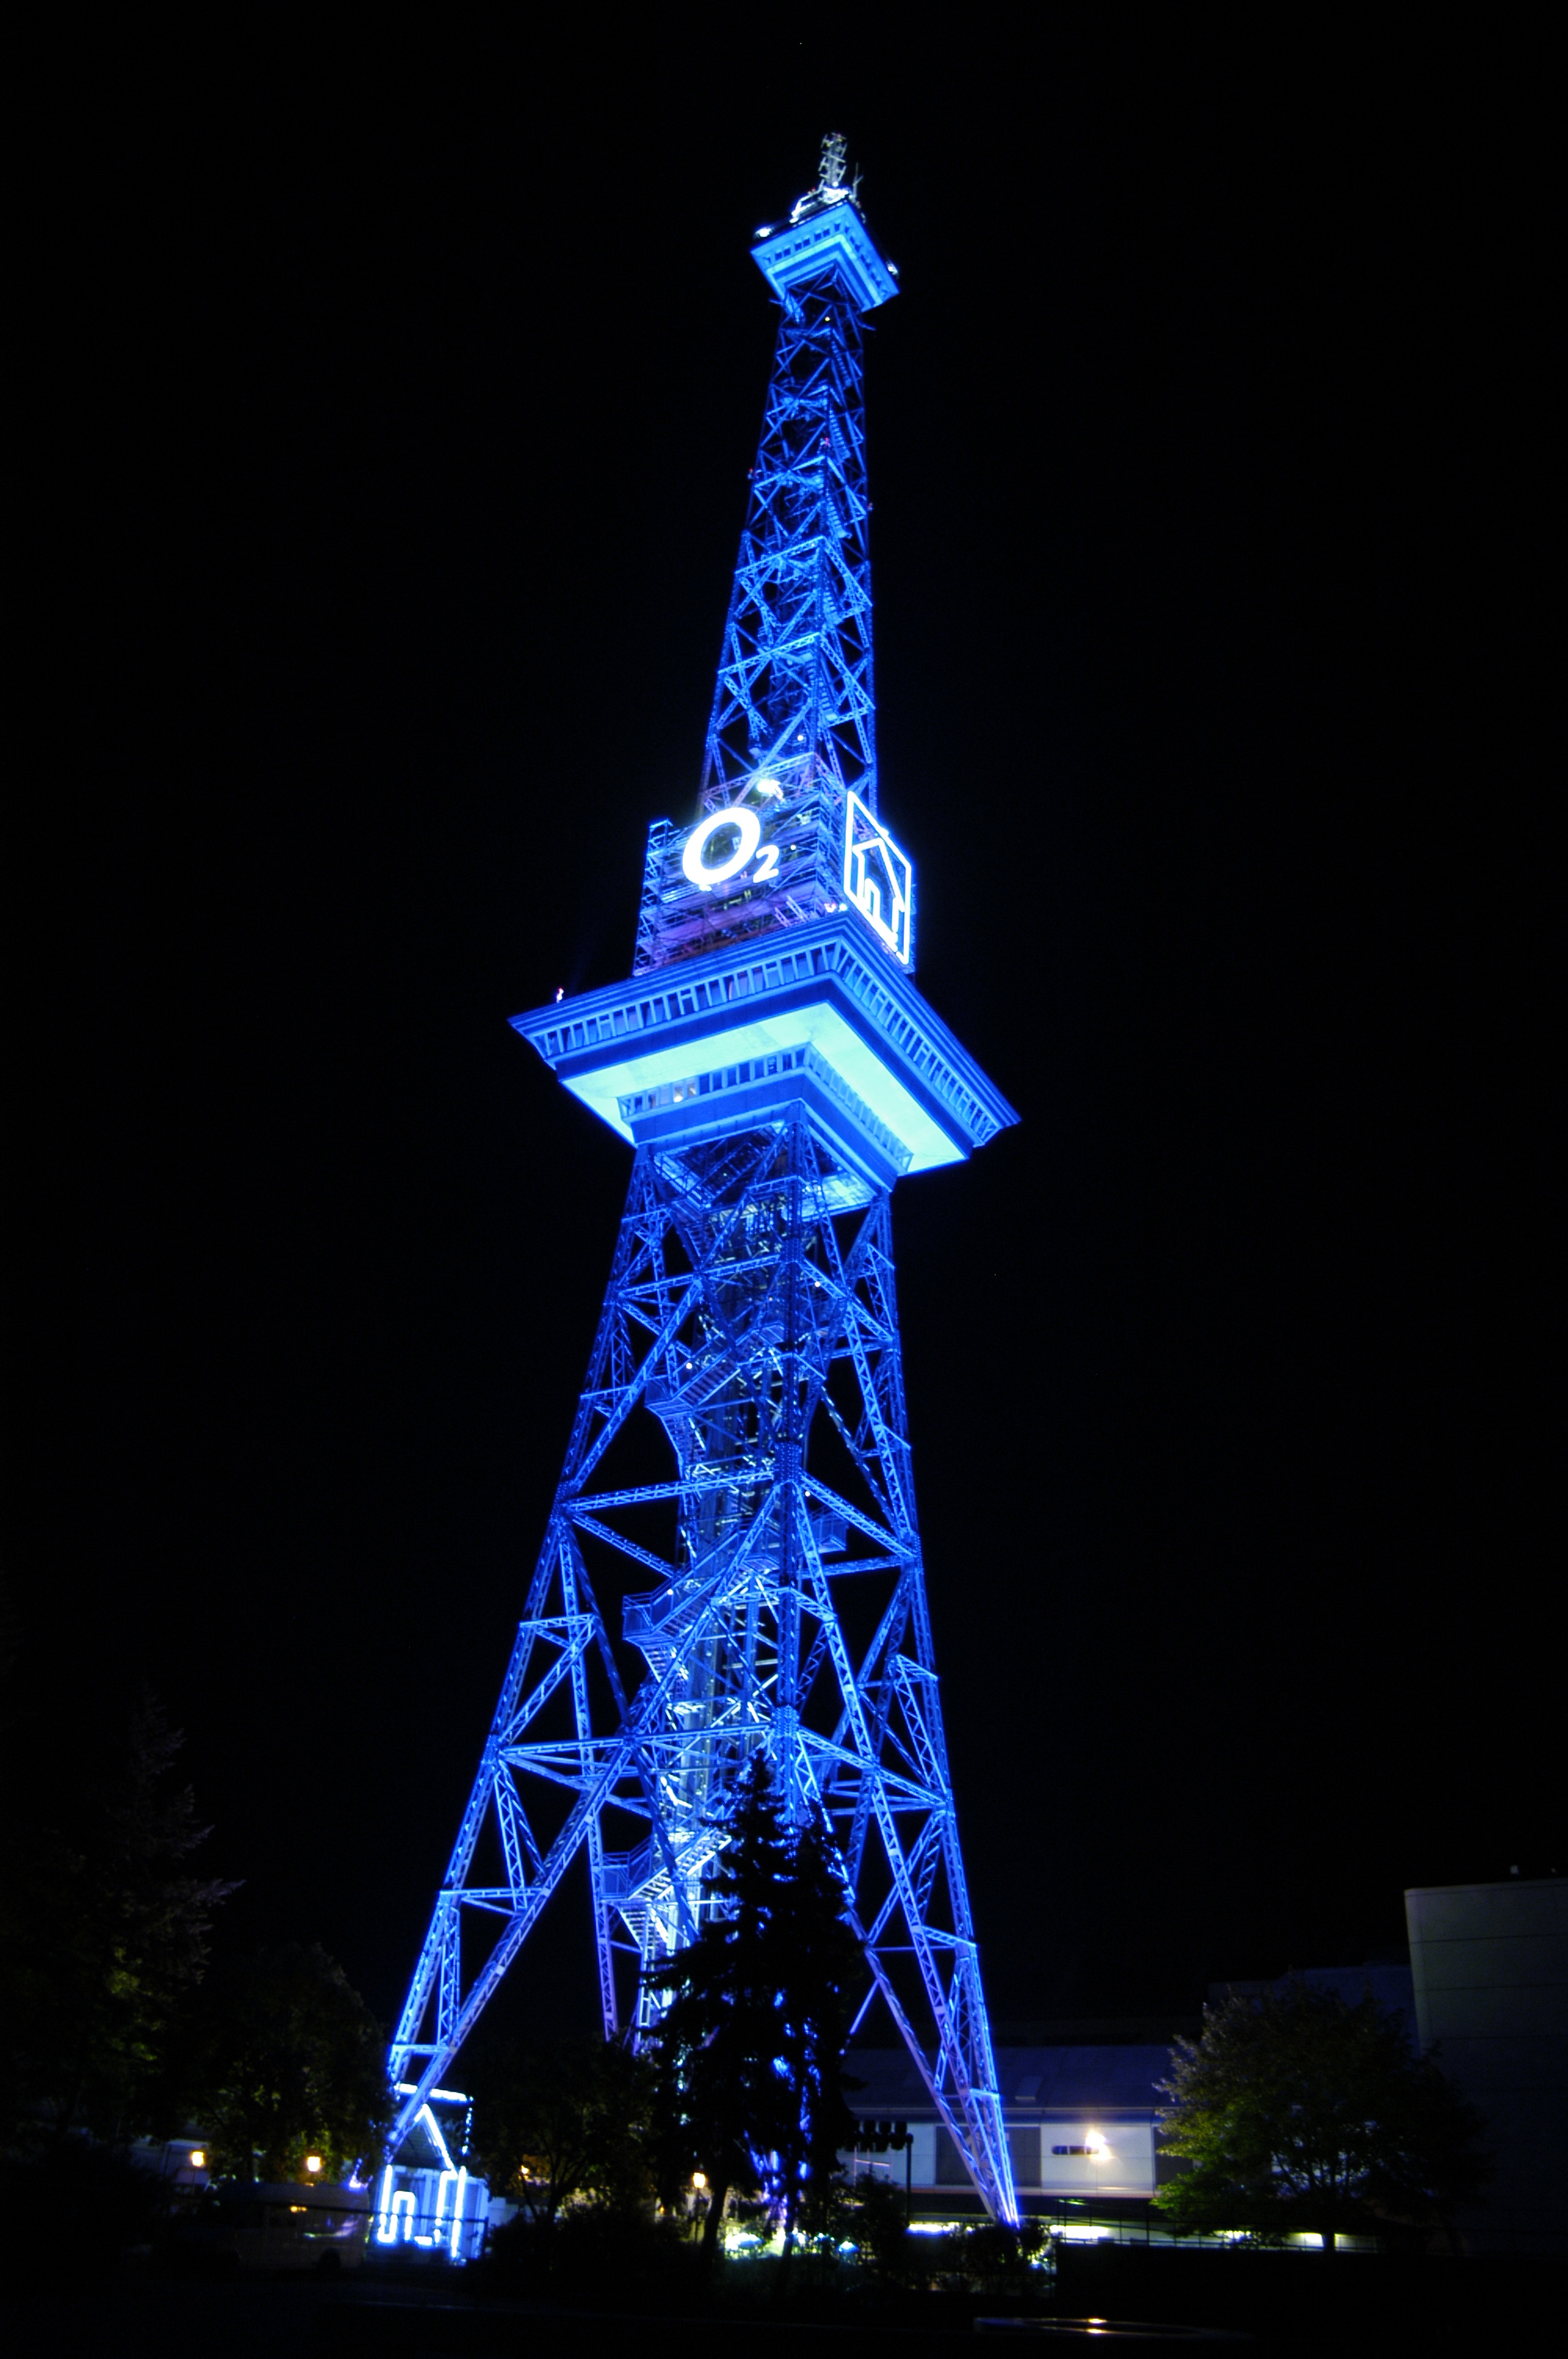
<point x="813" y="1013"/>
<point x="830" y="233"/>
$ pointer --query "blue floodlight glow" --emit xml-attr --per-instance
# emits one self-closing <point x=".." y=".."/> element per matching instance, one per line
<point x="433" y="2126"/>
<point x="777" y="1073"/>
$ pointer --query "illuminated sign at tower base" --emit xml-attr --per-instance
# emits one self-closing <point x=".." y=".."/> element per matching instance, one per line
<point x="437" y="2209"/>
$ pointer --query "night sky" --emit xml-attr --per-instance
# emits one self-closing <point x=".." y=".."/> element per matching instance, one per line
<point x="397" y="401"/>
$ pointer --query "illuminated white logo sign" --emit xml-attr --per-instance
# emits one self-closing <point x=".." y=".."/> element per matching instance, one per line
<point x="747" y="827"/>
<point x="430" y="2212"/>
<point x="878" y="878"/>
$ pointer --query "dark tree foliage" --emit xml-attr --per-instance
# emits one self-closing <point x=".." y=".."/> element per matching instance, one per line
<point x="572" y="2121"/>
<point x="106" y="1937"/>
<point x="287" y="2060"/>
<point x="749" y="2049"/>
<point x="1298" y="2110"/>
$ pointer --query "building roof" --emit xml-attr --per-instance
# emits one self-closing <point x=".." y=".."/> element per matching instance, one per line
<point x="1044" y="2080"/>
<point x="1392" y="1987"/>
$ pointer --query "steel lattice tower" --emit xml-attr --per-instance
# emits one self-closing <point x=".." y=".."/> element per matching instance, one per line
<point x="776" y="1072"/>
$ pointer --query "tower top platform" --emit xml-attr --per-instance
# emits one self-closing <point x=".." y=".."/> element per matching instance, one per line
<point x="831" y="235"/>
<point x="825" y="231"/>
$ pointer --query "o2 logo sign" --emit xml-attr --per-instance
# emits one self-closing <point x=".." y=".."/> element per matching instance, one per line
<point x="748" y="828"/>
<point x="878" y="878"/>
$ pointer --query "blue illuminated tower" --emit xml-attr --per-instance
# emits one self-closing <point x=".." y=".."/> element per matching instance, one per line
<point x="776" y="1072"/>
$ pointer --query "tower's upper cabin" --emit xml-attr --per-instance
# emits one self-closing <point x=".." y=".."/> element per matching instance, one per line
<point x="776" y="934"/>
<point x="825" y="233"/>
<point x="788" y="829"/>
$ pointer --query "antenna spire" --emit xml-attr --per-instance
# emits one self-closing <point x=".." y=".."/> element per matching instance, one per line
<point x="834" y="186"/>
<point x="830" y="171"/>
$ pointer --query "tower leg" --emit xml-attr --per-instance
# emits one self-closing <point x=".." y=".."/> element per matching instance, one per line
<point x="751" y="1308"/>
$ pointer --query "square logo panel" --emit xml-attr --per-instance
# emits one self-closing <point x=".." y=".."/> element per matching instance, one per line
<point x="878" y="879"/>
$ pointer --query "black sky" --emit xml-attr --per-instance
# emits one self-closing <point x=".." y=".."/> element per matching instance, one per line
<point x="397" y="404"/>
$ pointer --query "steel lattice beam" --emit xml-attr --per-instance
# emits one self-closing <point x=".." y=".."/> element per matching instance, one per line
<point x="760" y="1335"/>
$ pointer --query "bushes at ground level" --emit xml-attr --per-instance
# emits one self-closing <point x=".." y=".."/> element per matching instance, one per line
<point x="596" y="2256"/>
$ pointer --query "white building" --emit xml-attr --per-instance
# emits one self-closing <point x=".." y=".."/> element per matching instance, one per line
<point x="1490" y="1962"/>
<point x="1080" y="2127"/>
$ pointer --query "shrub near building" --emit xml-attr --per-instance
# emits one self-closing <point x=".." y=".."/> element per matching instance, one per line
<point x="1297" y="2109"/>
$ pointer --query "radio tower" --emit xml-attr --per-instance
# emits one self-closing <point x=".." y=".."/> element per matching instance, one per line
<point x="776" y="1072"/>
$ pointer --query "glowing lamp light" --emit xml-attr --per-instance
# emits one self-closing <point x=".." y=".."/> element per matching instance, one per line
<point x="312" y="2162"/>
<point x="699" y="2180"/>
<point x="198" y="2158"/>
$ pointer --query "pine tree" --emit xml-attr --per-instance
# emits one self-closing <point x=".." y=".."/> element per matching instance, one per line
<point x="750" y="2049"/>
